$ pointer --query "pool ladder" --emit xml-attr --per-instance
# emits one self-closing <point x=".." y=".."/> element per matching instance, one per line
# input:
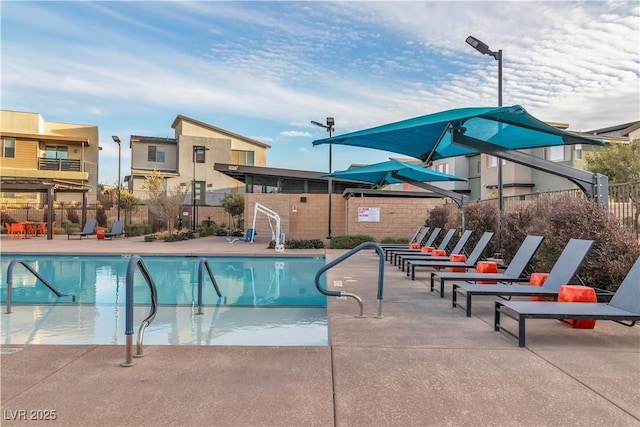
<point x="134" y="262"/>
<point x="12" y="265"/>
<point x="343" y="257"/>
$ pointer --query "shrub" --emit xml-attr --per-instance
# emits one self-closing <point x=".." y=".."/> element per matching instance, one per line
<point x="481" y="217"/>
<point x="72" y="216"/>
<point x="438" y="217"/>
<point x="149" y="238"/>
<point x="394" y="240"/>
<point x="349" y="242"/>
<point x="7" y="218"/>
<point x="559" y="218"/>
<point x="179" y="236"/>
<point x="299" y="244"/>
<point x="101" y="216"/>
<point x="137" y="230"/>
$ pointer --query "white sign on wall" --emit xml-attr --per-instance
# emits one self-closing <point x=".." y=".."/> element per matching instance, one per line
<point x="368" y="214"/>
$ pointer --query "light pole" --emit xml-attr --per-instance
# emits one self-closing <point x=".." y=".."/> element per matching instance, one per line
<point x="329" y="127"/>
<point x="116" y="139"/>
<point x="484" y="49"/>
<point x="197" y="152"/>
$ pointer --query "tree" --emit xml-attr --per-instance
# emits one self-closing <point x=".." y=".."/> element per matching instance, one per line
<point x="233" y="204"/>
<point x="619" y="161"/>
<point x="128" y="202"/>
<point x="164" y="205"/>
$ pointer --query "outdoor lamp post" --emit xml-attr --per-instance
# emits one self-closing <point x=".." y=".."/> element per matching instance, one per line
<point x="197" y="152"/>
<point x="484" y="49"/>
<point x="329" y="127"/>
<point x="116" y="139"/>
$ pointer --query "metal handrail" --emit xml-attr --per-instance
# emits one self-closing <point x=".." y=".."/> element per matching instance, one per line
<point x="12" y="264"/>
<point x="201" y="267"/>
<point x="350" y="295"/>
<point x="134" y="262"/>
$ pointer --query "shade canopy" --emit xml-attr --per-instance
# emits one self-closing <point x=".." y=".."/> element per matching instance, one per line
<point x="393" y="172"/>
<point x="431" y="137"/>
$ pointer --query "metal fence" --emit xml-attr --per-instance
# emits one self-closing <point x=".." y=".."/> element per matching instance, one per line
<point x="624" y="203"/>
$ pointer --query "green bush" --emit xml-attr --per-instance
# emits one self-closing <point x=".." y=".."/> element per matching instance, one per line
<point x="177" y="237"/>
<point x="394" y="240"/>
<point x="349" y="242"/>
<point x="149" y="238"/>
<point x="299" y="244"/>
<point x="137" y="230"/>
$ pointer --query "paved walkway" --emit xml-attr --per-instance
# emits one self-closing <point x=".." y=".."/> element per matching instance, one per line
<point x="423" y="364"/>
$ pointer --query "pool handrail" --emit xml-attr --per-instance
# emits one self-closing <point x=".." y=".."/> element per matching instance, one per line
<point x="341" y="258"/>
<point x="136" y="261"/>
<point x="12" y="264"/>
<point x="201" y="266"/>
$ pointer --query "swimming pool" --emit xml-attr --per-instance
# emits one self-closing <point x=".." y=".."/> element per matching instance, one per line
<point x="266" y="301"/>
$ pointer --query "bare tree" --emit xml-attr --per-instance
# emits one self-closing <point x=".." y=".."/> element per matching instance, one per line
<point x="165" y="204"/>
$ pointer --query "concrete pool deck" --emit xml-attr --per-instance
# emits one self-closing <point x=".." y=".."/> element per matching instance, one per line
<point x="423" y="364"/>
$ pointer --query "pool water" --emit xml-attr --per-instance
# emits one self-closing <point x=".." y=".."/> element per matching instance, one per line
<point x="266" y="301"/>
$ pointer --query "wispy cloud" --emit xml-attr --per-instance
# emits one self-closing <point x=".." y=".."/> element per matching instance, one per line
<point x="268" y="68"/>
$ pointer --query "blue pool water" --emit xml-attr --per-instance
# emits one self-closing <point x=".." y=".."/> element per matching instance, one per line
<point x="266" y="301"/>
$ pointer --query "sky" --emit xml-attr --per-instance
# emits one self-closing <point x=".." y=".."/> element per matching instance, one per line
<point x="266" y="69"/>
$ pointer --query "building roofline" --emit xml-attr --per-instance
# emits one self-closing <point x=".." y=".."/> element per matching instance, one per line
<point x="619" y="127"/>
<point x="217" y="129"/>
<point x="47" y="137"/>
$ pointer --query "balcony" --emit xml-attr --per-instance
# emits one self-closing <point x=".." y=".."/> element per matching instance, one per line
<point x="64" y="165"/>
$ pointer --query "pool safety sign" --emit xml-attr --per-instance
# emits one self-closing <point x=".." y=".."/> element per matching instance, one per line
<point x="368" y="214"/>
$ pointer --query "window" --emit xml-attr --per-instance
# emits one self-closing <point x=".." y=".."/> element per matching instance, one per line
<point x="9" y="147"/>
<point x="243" y="158"/>
<point x="155" y="154"/>
<point x="443" y="167"/>
<point x="558" y="153"/>
<point x="492" y="161"/>
<point x="198" y="153"/>
<point x="478" y="166"/>
<point x="578" y="151"/>
<point x="56" y="152"/>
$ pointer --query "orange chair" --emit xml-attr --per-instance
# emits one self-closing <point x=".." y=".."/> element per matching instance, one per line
<point x="16" y="229"/>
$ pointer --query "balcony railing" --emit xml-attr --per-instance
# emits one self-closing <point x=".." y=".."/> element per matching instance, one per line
<point x="59" y="165"/>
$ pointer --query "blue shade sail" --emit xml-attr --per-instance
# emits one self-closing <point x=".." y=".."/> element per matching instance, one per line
<point x="392" y="172"/>
<point x="430" y="137"/>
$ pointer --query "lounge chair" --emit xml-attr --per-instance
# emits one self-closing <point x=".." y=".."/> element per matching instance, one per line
<point x="89" y="229"/>
<point x="457" y="249"/>
<point x="623" y="307"/>
<point x="565" y="268"/>
<point x="513" y="273"/>
<point x="117" y="229"/>
<point x="441" y="246"/>
<point x="471" y="261"/>
<point x="390" y="248"/>
<point x="434" y="234"/>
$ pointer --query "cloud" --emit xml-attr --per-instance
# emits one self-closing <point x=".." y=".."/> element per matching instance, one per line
<point x="295" y="134"/>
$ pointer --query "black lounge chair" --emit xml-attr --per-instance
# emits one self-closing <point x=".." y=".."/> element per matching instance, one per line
<point x="471" y="261"/>
<point x="623" y="307"/>
<point x="390" y="247"/>
<point x="117" y="229"/>
<point x="441" y="246"/>
<point x="565" y="268"/>
<point x="394" y="252"/>
<point x="513" y="273"/>
<point x="457" y="249"/>
<point x="88" y="230"/>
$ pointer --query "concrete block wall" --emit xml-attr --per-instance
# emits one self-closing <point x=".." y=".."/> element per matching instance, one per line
<point x="399" y="217"/>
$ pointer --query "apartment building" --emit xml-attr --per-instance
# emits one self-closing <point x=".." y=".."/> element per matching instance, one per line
<point x="482" y="170"/>
<point x="186" y="160"/>
<point x="40" y="156"/>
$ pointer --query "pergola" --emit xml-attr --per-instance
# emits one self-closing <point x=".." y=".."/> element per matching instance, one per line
<point x="50" y="187"/>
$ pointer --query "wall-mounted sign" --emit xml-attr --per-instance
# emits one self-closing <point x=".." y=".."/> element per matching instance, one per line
<point x="368" y="214"/>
